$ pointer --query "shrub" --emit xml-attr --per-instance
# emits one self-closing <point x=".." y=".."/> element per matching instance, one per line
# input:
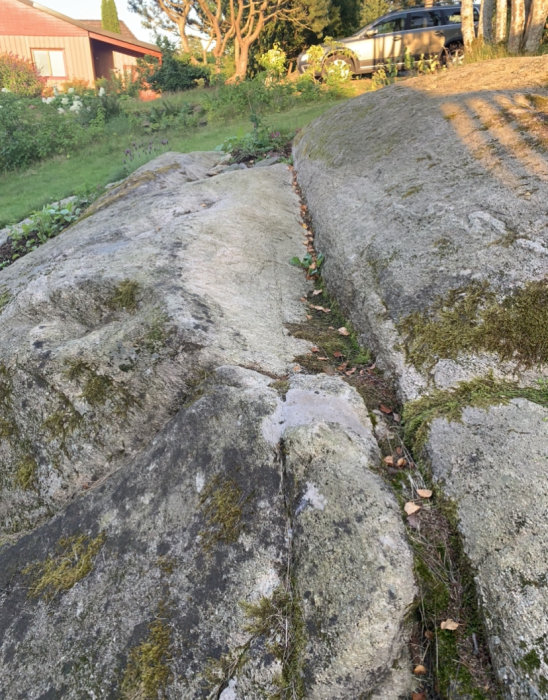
<point x="258" y="143"/>
<point x="19" y="76"/>
<point x="273" y="62"/>
<point x="31" y="130"/>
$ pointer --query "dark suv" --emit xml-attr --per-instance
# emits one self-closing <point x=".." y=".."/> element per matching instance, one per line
<point x="427" y="31"/>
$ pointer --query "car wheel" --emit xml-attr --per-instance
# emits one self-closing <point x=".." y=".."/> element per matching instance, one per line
<point x="453" y="55"/>
<point x="340" y="65"/>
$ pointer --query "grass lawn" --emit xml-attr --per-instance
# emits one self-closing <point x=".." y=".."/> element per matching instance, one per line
<point x="97" y="164"/>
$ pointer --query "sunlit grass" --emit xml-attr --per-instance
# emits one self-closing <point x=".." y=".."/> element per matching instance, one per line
<point x="104" y="161"/>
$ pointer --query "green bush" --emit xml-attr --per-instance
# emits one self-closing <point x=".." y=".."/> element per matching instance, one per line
<point x="175" y="73"/>
<point x="250" y="96"/>
<point x="19" y="76"/>
<point x="31" y="130"/>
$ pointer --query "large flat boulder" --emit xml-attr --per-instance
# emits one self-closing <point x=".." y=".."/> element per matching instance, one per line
<point x="183" y="514"/>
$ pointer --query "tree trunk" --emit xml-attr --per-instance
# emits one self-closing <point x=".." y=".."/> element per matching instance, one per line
<point x="241" y="58"/>
<point x="535" y="25"/>
<point x="485" y="26"/>
<point x="517" y="24"/>
<point x="467" y="18"/>
<point x="501" y="21"/>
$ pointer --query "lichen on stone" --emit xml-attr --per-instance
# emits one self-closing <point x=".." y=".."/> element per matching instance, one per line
<point x="26" y="473"/>
<point x="5" y="297"/>
<point x="73" y="560"/>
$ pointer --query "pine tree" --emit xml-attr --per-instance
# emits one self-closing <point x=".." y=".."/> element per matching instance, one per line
<point x="109" y="16"/>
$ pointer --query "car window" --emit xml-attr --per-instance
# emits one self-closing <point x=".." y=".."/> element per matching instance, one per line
<point x="453" y="16"/>
<point x="395" y="24"/>
<point x="436" y="18"/>
<point x="418" y="20"/>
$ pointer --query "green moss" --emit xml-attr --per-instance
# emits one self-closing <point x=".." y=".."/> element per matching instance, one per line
<point x="279" y="619"/>
<point x="157" y="334"/>
<point x="124" y="296"/>
<point x="147" y="673"/>
<point x="98" y="388"/>
<point x="5" y="386"/>
<point x="222" y="502"/>
<point x="449" y="403"/>
<point x="411" y="191"/>
<point x="5" y="297"/>
<point x="281" y="386"/>
<point x="530" y="662"/>
<point x="73" y="560"/>
<point x="63" y="422"/>
<point x="472" y="318"/>
<point x="8" y="428"/>
<point x="26" y="473"/>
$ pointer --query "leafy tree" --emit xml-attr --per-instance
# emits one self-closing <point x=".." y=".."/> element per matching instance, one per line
<point x="109" y="16"/>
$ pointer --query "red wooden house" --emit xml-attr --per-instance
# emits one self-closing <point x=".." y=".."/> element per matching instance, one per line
<point x="65" y="49"/>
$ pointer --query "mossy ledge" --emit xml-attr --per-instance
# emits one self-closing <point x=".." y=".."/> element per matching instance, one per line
<point x="72" y="561"/>
<point x="125" y="296"/>
<point x="480" y="392"/>
<point x="473" y="318"/>
<point x="5" y="298"/>
<point x="222" y="502"/>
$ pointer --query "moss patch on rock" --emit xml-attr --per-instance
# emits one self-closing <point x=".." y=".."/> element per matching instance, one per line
<point x="5" y="297"/>
<point x="26" y="473"/>
<point x="473" y="318"/>
<point x="480" y="392"/>
<point x="99" y="388"/>
<point x="72" y="561"/>
<point x="147" y="672"/>
<point x="222" y="502"/>
<point x="125" y="296"/>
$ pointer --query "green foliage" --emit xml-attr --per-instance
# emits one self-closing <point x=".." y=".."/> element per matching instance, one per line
<point x="147" y="672"/>
<point x="175" y="72"/>
<point x="481" y="392"/>
<point x="385" y="75"/>
<point x="273" y="62"/>
<point x="473" y="318"/>
<point x="19" y="76"/>
<point x="72" y="561"/>
<point x="5" y="297"/>
<point x="372" y="9"/>
<point x="42" y="225"/>
<point x="109" y="16"/>
<point x="311" y="263"/>
<point x="257" y="143"/>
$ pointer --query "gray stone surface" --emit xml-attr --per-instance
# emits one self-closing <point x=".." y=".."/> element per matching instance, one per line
<point x="494" y="465"/>
<point x="173" y="434"/>
<point x="409" y="203"/>
<point x="213" y="286"/>
<point x="417" y="190"/>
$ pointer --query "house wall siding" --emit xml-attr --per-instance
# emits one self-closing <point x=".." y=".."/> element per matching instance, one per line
<point x="78" y="61"/>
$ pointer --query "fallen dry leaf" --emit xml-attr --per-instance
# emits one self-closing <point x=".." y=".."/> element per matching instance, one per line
<point x="401" y="462"/>
<point x="323" y="358"/>
<point x="424" y="493"/>
<point x="399" y="451"/>
<point x="419" y="670"/>
<point x="385" y="409"/>
<point x="308" y="317"/>
<point x="449" y="624"/>
<point x="343" y="330"/>
<point x="338" y="353"/>
<point x="429" y="634"/>
<point x="297" y="368"/>
<point x="411" y="508"/>
<point x="389" y="460"/>
<point x="312" y="266"/>
<point x="396" y="417"/>
<point x="350" y="372"/>
<point x="414" y="521"/>
<point x="418" y="696"/>
<point x="342" y="367"/>
<point x="316" y="292"/>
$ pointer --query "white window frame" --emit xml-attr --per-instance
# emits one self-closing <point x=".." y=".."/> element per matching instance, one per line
<point x="48" y="60"/>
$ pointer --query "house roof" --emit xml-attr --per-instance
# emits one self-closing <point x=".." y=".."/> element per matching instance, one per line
<point x="93" y="27"/>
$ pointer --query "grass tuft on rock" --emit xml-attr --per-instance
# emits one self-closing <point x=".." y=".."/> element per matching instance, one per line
<point x="5" y="297"/>
<point x="480" y="392"/>
<point x="472" y="319"/>
<point x="72" y="561"/>
<point x="26" y="473"/>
